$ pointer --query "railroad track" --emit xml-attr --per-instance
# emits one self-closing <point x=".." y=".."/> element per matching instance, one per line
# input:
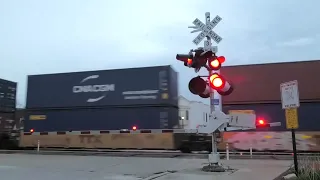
<point x="235" y="153"/>
<point x="162" y="154"/>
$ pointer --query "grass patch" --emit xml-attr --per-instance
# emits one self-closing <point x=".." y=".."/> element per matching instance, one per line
<point x="309" y="167"/>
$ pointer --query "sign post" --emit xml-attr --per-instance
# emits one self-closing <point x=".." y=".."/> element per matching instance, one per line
<point x="290" y="103"/>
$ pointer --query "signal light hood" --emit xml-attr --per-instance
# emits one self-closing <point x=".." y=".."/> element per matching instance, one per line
<point x="199" y="87"/>
<point x="205" y="95"/>
<point x="228" y="92"/>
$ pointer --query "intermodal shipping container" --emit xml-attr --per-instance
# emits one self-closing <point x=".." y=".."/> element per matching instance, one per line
<point x="102" y="119"/>
<point x="308" y="114"/>
<point x="260" y="83"/>
<point x="7" y="122"/>
<point x="119" y="87"/>
<point x="8" y="91"/>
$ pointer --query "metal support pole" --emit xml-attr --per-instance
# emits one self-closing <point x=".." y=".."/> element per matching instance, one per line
<point x="227" y="151"/>
<point x="214" y="157"/>
<point x="219" y="97"/>
<point x="38" y="146"/>
<point x="212" y="107"/>
<point x="294" y="147"/>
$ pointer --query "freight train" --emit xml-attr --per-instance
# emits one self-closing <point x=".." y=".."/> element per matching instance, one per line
<point x="98" y="109"/>
<point x="271" y="139"/>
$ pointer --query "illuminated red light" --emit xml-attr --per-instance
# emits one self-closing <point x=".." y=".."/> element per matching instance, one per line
<point x="213" y="76"/>
<point x="189" y="61"/>
<point x="31" y="130"/>
<point x="134" y="128"/>
<point x="216" y="81"/>
<point x="215" y="63"/>
<point x="261" y="122"/>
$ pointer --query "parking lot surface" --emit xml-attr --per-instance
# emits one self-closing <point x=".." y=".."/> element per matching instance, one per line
<point x="53" y="167"/>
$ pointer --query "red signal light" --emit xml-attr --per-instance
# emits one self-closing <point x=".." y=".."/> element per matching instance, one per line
<point x="261" y="122"/>
<point x="215" y="64"/>
<point x="219" y="83"/>
<point x="216" y="81"/>
<point x="186" y="58"/>
<point x="134" y="128"/>
<point x="189" y="62"/>
<point x="31" y="130"/>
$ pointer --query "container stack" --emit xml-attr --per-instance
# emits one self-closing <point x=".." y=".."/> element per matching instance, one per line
<point x="146" y="98"/>
<point x="258" y="89"/>
<point x="8" y="91"/>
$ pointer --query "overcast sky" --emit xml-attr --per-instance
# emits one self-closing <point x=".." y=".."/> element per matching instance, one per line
<point x="43" y="36"/>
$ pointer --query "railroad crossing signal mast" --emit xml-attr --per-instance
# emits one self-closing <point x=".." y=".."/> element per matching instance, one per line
<point x="213" y="86"/>
<point x="206" y="57"/>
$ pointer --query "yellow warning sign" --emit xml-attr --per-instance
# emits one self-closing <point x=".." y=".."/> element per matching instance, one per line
<point x="242" y="111"/>
<point x="292" y="118"/>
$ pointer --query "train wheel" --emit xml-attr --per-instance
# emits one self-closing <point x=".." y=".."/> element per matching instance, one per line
<point x="185" y="149"/>
<point x="209" y="148"/>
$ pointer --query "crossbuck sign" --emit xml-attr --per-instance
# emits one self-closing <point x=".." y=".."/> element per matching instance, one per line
<point x="290" y="95"/>
<point x="207" y="30"/>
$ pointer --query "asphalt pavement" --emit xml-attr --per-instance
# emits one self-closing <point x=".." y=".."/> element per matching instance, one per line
<point x="64" y="167"/>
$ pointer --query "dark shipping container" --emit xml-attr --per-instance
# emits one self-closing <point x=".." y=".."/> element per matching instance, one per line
<point x="260" y="83"/>
<point x="8" y="91"/>
<point x="119" y="87"/>
<point x="7" y="122"/>
<point x="308" y="114"/>
<point x="102" y="119"/>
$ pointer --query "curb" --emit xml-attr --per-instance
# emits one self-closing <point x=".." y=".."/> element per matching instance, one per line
<point x="280" y="177"/>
